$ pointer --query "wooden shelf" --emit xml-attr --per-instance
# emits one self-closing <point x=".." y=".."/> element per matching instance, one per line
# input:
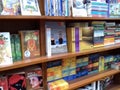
<point x="64" y="18"/>
<point x="74" y="84"/>
<point x="43" y="59"/>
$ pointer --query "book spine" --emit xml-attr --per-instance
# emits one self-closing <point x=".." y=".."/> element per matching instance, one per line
<point x="76" y="39"/>
<point x="48" y="42"/>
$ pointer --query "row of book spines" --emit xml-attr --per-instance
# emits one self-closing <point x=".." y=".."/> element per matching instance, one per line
<point x="79" y="67"/>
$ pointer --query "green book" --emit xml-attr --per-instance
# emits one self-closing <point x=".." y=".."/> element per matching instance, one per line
<point x="17" y="47"/>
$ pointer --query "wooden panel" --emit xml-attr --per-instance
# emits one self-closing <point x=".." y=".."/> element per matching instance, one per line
<point x="90" y="78"/>
<point x="113" y="87"/>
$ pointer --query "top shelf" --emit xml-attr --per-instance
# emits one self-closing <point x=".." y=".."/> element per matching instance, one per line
<point x="43" y="59"/>
<point x="54" y="18"/>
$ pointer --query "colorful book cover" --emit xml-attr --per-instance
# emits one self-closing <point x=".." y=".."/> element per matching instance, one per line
<point x="56" y="32"/>
<point x="30" y="7"/>
<point x="47" y="7"/>
<point x="5" y="49"/>
<point x="11" y="7"/>
<point x="30" y="43"/>
<point x="3" y="83"/>
<point x="78" y="6"/>
<point x="17" y="81"/>
<point x="34" y="79"/>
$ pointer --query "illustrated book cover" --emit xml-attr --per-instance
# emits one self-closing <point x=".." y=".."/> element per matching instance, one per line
<point x="30" y="7"/>
<point x="3" y="83"/>
<point x="30" y="43"/>
<point x="11" y="7"/>
<point x="17" y="81"/>
<point x="34" y="79"/>
<point x="5" y="49"/>
<point x="56" y="41"/>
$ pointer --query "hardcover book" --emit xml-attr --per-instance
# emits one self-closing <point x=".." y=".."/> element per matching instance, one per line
<point x="11" y="7"/>
<point x="30" y="43"/>
<point x="30" y="7"/>
<point x="17" y="81"/>
<point x="34" y="79"/>
<point x="5" y="49"/>
<point x="1" y="6"/>
<point x="56" y="41"/>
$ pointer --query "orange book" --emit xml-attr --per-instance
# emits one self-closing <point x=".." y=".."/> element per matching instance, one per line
<point x="30" y="43"/>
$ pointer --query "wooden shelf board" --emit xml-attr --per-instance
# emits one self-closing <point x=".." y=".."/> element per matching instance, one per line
<point x="43" y="59"/>
<point x="79" y="82"/>
<point x="55" y="18"/>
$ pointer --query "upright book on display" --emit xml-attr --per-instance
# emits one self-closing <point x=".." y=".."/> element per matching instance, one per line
<point x="30" y="7"/>
<point x="56" y="41"/>
<point x="30" y="43"/>
<point x="5" y="49"/>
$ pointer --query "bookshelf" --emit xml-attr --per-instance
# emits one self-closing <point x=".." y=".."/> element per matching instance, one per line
<point x="39" y="22"/>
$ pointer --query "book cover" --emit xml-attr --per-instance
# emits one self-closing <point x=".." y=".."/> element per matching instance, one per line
<point x="11" y="7"/>
<point x="79" y="6"/>
<point x="30" y="7"/>
<point x="30" y="43"/>
<point x="34" y="79"/>
<point x="86" y="41"/>
<point x="5" y="49"/>
<point x="56" y="41"/>
<point x="3" y="83"/>
<point x="17" y="81"/>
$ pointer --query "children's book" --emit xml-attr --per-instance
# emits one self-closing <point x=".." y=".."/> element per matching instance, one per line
<point x="5" y="49"/>
<point x="30" y="43"/>
<point x="11" y="7"/>
<point x="56" y="41"/>
<point x="17" y="81"/>
<point x="30" y="7"/>
<point x="34" y="79"/>
<point x="3" y="83"/>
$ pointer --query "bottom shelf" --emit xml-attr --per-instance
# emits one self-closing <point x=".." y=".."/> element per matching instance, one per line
<point x="82" y="81"/>
<point x="113" y="87"/>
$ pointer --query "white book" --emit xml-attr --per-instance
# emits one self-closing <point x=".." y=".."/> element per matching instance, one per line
<point x="30" y="7"/>
<point x="48" y="41"/>
<point x="78" y="8"/>
<point x="5" y="49"/>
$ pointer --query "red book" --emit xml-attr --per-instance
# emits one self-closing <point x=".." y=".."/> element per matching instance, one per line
<point x="3" y="83"/>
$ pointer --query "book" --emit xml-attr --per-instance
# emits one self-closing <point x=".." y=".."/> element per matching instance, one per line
<point x="5" y="49"/>
<point x="78" y="6"/>
<point x="17" y="81"/>
<point x="30" y="7"/>
<point x="30" y="43"/>
<point x="56" y="41"/>
<point x="34" y="79"/>
<point x="3" y="83"/>
<point x="11" y="7"/>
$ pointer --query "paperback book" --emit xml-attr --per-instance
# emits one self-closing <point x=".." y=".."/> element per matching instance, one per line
<point x="5" y="49"/>
<point x="30" y="43"/>
<point x="56" y="41"/>
<point x="30" y="7"/>
<point x="11" y="7"/>
<point x="17" y="81"/>
<point x="34" y="79"/>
